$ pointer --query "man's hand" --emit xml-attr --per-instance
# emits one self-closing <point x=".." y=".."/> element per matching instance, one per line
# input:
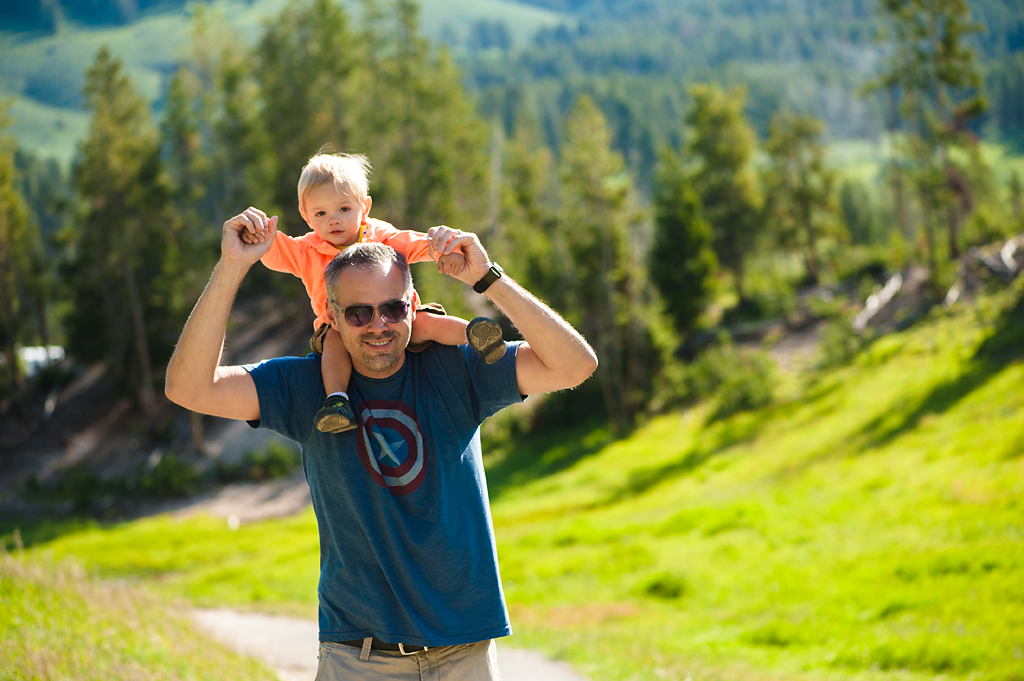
<point x="246" y="237"/>
<point x="445" y="241"/>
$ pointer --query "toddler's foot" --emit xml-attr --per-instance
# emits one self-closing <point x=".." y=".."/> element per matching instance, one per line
<point x="485" y="336"/>
<point x="335" y="416"/>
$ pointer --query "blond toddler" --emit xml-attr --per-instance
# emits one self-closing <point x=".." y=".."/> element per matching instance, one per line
<point x="334" y="201"/>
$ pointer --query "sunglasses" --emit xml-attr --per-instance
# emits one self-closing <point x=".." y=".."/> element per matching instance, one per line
<point x="391" y="312"/>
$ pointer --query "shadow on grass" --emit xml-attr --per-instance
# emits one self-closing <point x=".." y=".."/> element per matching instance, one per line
<point x="730" y="433"/>
<point x="538" y="455"/>
<point x="29" y="532"/>
<point x="1004" y="347"/>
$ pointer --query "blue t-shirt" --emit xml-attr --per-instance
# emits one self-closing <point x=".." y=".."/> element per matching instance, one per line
<point x="407" y="550"/>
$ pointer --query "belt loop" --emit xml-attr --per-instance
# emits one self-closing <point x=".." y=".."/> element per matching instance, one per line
<point x="364" y="654"/>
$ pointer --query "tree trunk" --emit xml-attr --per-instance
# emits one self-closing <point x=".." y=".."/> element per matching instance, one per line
<point x="897" y="170"/>
<point x="813" y="265"/>
<point x="195" y="422"/>
<point x="10" y="347"/>
<point x="146" y="395"/>
<point x="953" y="215"/>
<point x="929" y="234"/>
<point x="494" y="195"/>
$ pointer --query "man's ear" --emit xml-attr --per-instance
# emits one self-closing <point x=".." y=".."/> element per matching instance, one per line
<point x="414" y="304"/>
<point x="329" y="315"/>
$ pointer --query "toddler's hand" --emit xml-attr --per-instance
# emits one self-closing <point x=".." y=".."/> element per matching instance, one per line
<point x="453" y="264"/>
<point x="253" y="234"/>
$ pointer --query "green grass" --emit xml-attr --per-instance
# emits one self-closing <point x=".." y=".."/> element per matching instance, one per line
<point x="56" y="623"/>
<point x="864" y="160"/>
<point x="868" y="526"/>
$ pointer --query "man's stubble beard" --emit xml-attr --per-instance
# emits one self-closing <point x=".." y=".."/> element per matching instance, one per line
<point x="379" y="362"/>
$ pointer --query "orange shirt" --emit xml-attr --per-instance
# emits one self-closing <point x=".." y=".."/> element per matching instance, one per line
<point x="307" y="256"/>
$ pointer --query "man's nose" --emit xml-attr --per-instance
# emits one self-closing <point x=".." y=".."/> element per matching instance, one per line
<point x="377" y="323"/>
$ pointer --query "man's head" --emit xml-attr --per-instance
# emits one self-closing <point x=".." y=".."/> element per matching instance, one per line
<point x="360" y="282"/>
<point x="333" y="196"/>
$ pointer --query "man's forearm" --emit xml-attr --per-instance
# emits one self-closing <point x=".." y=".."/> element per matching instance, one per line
<point x="193" y="366"/>
<point x="567" y="359"/>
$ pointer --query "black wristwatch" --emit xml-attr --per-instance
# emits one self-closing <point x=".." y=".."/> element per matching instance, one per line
<point x="493" y="275"/>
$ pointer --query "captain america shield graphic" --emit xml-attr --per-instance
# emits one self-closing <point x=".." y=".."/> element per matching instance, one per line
<point x="391" y="445"/>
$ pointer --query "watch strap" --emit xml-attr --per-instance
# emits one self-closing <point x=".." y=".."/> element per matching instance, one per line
<point x="492" y="276"/>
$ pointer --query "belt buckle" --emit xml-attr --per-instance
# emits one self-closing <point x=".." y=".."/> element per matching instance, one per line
<point x="401" y="649"/>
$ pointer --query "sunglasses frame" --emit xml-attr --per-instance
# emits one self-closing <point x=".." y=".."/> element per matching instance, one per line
<point x="374" y="311"/>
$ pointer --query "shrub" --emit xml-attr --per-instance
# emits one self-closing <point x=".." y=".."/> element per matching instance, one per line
<point x="742" y="380"/>
<point x="839" y="344"/>
<point x="667" y="586"/>
<point x="276" y="461"/>
<point x="169" y="477"/>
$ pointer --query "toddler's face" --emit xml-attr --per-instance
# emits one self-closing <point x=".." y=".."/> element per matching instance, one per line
<point x="335" y="215"/>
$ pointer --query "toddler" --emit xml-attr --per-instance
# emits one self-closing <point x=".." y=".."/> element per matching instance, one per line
<point x="334" y="201"/>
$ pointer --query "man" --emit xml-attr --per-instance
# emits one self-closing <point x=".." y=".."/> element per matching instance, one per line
<point x="409" y="580"/>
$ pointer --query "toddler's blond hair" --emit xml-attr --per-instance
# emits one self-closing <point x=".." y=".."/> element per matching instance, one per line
<point x="348" y="172"/>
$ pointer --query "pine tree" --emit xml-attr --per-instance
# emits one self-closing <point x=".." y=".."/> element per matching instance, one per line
<point x="1017" y="196"/>
<point x="798" y="187"/>
<point x="17" y="238"/>
<point x="607" y="295"/>
<point x="528" y="211"/>
<point x="936" y="72"/>
<point x="721" y="144"/>
<point x="305" y="61"/>
<point x="427" y="143"/>
<point x="682" y="259"/>
<point x="117" y="283"/>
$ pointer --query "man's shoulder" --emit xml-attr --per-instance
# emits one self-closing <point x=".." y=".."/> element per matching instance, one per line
<point x="289" y="369"/>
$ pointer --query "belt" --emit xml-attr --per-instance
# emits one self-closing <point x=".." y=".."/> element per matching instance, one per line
<point x="377" y="644"/>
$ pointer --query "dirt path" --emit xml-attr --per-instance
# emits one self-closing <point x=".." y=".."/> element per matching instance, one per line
<point x="289" y="645"/>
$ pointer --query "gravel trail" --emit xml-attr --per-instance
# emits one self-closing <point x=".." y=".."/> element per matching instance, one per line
<point x="289" y="645"/>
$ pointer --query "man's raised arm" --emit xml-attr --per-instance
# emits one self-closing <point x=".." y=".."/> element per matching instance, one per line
<point x="195" y="379"/>
<point x="555" y="356"/>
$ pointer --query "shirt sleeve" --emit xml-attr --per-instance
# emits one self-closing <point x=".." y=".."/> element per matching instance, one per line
<point x="472" y="387"/>
<point x="286" y="254"/>
<point x="413" y="245"/>
<point x="496" y="386"/>
<point x="290" y="390"/>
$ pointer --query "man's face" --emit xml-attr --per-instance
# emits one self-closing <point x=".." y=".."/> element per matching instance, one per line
<point x="377" y="349"/>
<point x="334" y="215"/>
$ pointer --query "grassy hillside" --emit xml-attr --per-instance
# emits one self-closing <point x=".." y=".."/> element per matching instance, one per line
<point x="57" y="624"/>
<point x="869" y="525"/>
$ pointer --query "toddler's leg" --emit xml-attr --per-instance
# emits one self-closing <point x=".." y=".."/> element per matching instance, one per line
<point x="336" y="416"/>
<point x="482" y="333"/>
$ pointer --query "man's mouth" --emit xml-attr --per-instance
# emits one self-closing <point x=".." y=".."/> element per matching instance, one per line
<point x="378" y="342"/>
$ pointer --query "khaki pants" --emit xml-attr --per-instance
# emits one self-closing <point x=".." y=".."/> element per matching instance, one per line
<point x="316" y="343"/>
<point x="470" y="662"/>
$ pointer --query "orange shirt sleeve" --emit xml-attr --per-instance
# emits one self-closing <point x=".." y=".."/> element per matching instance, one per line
<point x="413" y="245"/>
<point x="286" y="254"/>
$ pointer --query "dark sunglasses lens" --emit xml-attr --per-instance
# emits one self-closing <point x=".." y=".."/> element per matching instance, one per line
<point x="394" y="311"/>
<point x="358" y="315"/>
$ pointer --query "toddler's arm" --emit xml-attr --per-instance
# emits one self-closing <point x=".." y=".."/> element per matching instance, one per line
<point x="439" y="328"/>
